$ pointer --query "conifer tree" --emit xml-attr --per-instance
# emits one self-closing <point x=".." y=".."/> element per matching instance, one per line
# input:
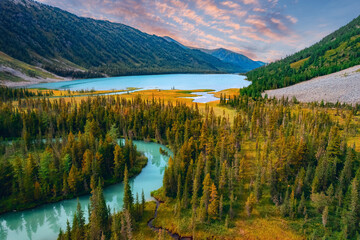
<point x="129" y="230"/>
<point x="221" y="206"/>
<point x="128" y="197"/>
<point x="119" y="162"/>
<point x="249" y="205"/>
<point x="325" y="215"/>
<point x="143" y="202"/>
<point x="214" y="203"/>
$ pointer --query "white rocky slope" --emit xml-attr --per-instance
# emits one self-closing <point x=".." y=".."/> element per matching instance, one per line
<point x="343" y="86"/>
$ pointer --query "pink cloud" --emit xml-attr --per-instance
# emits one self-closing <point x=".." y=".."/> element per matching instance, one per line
<point x="230" y="4"/>
<point x="292" y="19"/>
<point x="239" y="39"/>
<point x="259" y="10"/>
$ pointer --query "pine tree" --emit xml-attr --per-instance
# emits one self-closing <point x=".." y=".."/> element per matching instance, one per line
<point x="99" y="214"/>
<point x="128" y="197"/>
<point x="73" y="179"/>
<point x="114" y="228"/>
<point x="325" y="215"/>
<point x="142" y="202"/>
<point x="80" y="221"/>
<point x="68" y="230"/>
<point x="129" y="229"/>
<point x="227" y="221"/>
<point x="214" y="203"/>
<point x="249" y="205"/>
<point x="257" y="189"/>
<point x="301" y="206"/>
<point x="137" y="207"/>
<point x="231" y="211"/>
<point x="65" y="188"/>
<point x="123" y="226"/>
<point x="222" y="180"/>
<point x="119" y="162"/>
<point x="221" y="207"/>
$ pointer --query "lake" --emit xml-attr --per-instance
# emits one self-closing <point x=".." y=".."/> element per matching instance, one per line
<point x="44" y="222"/>
<point x="216" y="82"/>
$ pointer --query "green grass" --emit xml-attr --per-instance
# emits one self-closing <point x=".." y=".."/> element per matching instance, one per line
<point x="25" y="68"/>
<point x="6" y="76"/>
<point x="333" y="52"/>
<point x="142" y="231"/>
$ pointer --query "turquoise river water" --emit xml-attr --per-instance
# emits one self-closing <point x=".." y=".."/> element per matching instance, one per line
<point x="44" y="222"/>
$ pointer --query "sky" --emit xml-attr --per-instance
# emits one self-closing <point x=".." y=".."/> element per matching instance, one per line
<point x="265" y="30"/>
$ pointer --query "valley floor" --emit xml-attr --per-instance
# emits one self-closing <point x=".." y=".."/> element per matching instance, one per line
<point x="343" y="86"/>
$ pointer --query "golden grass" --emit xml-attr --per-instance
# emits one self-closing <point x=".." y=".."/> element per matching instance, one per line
<point x="262" y="225"/>
<point x="265" y="228"/>
<point x="298" y="64"/>
<point x="163" y="95"/>
<point x="228" y="92"/>
<point x="68" y="93"/>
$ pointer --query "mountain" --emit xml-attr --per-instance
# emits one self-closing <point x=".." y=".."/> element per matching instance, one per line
<point x="169" y="39"/>
<point x="335" y="52"/>
<point x="68" y="45"/>
<point x="261" y="63"/>
<point x="246" y="64"/>
<point x="237" y="59"/>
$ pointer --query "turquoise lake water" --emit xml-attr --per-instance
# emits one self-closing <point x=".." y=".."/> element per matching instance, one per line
<point x="44" y="222"/>
<point x="216" y="82"/>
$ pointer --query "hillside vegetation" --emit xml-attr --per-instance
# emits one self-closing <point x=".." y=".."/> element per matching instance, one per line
<point x="238" y="59"/>
<point x="337" y="51"/>
<point x="11" y="64"/>
<point x="69" y="45"/>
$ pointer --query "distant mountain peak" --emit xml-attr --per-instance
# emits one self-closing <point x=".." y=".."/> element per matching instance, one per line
<point x="235" y="58"/>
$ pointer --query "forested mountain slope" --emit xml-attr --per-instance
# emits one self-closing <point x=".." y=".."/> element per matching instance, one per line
<point x="69" y="45"/>
<point x="244" y="63"/>
<point x="238" y="59"/>
<point x="335" y="52"/>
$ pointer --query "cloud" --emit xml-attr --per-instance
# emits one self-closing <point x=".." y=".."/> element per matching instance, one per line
<point x="239" y="39"/>
<point x="254" y="2"/>
<point x="230" y="4"/>
<point x="259" y="10"/>
<point x="292" y="19"/>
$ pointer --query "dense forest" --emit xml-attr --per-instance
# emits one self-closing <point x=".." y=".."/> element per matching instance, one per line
<point x="65" y="148"/>
<point x="335" y="52"/>
<point x="68" y="45"/>
<point x="279" y="153"/>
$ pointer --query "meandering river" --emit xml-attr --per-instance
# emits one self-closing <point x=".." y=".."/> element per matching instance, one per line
<point x="44" y="222"/>
<point x="215" y="82"/>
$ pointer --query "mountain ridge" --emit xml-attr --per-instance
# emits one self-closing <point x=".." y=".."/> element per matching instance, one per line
<point x="235" y="58"/>
<point x="225" y="55"/>
<point x="69" y="45"/>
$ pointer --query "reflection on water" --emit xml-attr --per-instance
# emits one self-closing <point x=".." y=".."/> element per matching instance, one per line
<point x="44" y="222"/>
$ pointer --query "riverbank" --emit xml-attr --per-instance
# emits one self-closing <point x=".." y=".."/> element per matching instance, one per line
<point x="11" y="205"/>
<point x="161" y="229"/>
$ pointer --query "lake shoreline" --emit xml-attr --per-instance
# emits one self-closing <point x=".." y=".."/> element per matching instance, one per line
<point x="29" y="81"/>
